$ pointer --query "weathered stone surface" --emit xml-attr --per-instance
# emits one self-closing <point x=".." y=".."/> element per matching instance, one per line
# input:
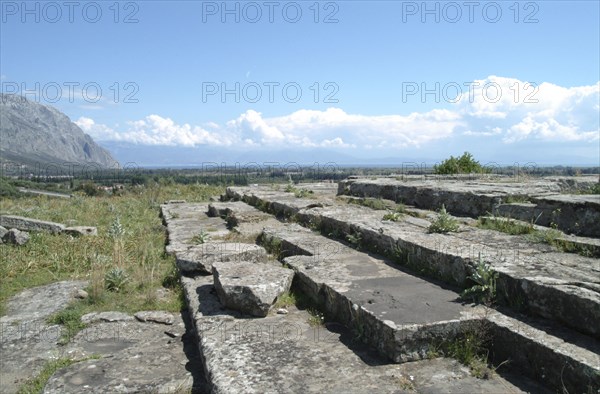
<point x="155" y="317"/>
<point x="133" y="357"/>
<point x="15" y="237"/>
<point x="81" y="294"/>
<point x="557" y="286"/>
<point x="185" y="220"/>
<point x="175" y="202"/>
<point x="200" y="258"/>
<point x="27" y="224"/>
<point x="250" y="287"/>
<point x="236" y="212"/>
<point x="3" y="231"/>
<point x="108" y="317"/>
<point x="578" y="214"/>
<point x="573" y="294"/>
<point x="26" y="340"/>
<point x="81" y="230"/>
<point x="399" y="314"/>
<point x="285" y="354"/>
<point x="572" y="213"/>
<point x="239" y="352"/>
<point x="550" y="354"/>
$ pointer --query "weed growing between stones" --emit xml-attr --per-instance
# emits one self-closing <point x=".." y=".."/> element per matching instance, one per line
<point x="298" y="193"/>
<point x="200" y="238"/>
<point x="444" y="223"/>
<point x="392" y="216"/>
<point x="316" y="318"/>
<point x="374" y="203"/>
<point x="406" y="383"/>
<point x="355" y="238"/>
<point x="595" y="189"/>
<point x="470" y="348"/>
<point x="302" y="302"/>
<point x="272" y="245"/>
<point x="505" y="225"/>
<point x="302" y="193"/>
<point x="551" y="236"/>
<point x="285" y="300"/>
<point x="36" y="385"/>
<point x="70" y="319"/>
<point x="513" y="199"/>
<point x="484" y="290"/>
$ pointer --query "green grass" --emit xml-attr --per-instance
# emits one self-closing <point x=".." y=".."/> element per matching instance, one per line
<point x="595" y="189"/>
<point x="392" y="216"/>
<point x="70" y="318"/>
<point x="512" y="199"/>
<point x="138" y="250"/>
<point x="505" y="225"/>
<point x="285" y="300"/>
<point x="298" y="193"/>
<point x="470" y="348"/>
<point x="374" y="203"/>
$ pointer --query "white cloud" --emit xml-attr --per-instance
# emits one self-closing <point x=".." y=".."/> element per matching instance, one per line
<point x="527" y="111"/>
<point x="505" y="109"/>
<point x="97" y="131"/>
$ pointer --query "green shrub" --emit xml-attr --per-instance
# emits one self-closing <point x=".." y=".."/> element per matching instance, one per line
<point x="444" y="223"/>
<point x="116" y="279"/>
<point x="484" y="290"/>
<point x="464" y="164"/>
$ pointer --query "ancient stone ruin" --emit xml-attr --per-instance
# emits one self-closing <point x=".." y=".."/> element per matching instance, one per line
<point x="408" y="284"/>
<point x="379" y="298"/>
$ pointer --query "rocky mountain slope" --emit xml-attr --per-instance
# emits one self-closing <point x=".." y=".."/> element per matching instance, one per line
<point x="33" y="134"/>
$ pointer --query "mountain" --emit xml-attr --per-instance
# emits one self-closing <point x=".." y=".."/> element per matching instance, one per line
<point x="36" y="135"/>
<point x="177" y="156"/>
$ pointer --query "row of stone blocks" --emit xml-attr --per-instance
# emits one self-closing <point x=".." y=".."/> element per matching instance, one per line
<point x="541" y="202"/>
<point x="544" y="356"/>
<point x="532" y="278"/>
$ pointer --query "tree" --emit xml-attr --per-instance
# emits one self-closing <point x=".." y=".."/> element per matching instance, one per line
<point x="464" y="164"/>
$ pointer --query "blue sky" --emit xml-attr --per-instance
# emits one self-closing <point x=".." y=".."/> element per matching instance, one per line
<point x="365" y="65"/>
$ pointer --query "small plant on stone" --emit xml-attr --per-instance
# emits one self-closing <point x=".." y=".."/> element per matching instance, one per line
<point x="484" y="290"/>
<point x="116" y="279"/>
<point x="70" y="319"/>
<point x="301" y="193"/>
<point x="444" y="223"/>
<point x="406" y="383"/>
<point x="285" y="300"/>
<point x="546" y="236"/>
<point x="355" y="238"/>
<point x="335" y="233"/>
<point x="316" y="318"/>
<point x="392" y="216"/>
<point x="505" y="225"/>
<point x="201" y="237"/>
<point x="290" y="188"/>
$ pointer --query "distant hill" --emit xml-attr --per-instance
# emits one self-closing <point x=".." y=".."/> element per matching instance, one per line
<point x="35" y="135"/>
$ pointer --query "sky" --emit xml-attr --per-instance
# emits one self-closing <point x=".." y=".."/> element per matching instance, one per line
<point x="363" y="81"/>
